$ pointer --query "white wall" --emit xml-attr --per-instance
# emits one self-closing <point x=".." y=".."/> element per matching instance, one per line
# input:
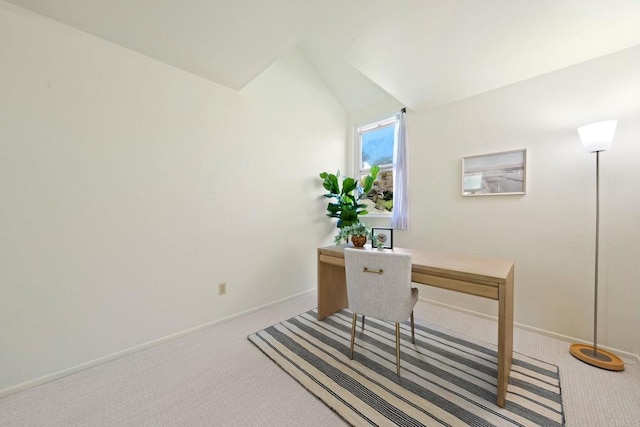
<point x="549" y="232"/>
<point x="130" y="189"/>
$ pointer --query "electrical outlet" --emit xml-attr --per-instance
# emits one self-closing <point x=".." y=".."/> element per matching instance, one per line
<point x="222" y="289"/>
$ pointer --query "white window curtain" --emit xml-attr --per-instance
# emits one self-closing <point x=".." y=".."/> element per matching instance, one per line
<point x="400" y="216"/>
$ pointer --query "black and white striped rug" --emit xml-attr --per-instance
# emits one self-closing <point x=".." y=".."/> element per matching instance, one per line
<point x="446" y="379"/>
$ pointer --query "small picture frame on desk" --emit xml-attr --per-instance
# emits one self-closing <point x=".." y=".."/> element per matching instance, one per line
<point x="382" y="237"/>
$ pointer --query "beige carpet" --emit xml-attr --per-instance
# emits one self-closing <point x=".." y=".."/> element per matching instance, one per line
<point x="216" y="377"/>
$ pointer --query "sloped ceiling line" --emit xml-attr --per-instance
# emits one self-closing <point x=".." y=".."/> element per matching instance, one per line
<point x="423" y="53"/>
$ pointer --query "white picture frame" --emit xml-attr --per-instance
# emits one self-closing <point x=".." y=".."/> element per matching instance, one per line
<point x="496" y="174"/>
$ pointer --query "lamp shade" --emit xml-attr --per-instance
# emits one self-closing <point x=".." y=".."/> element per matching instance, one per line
<point x="597" y="136"/>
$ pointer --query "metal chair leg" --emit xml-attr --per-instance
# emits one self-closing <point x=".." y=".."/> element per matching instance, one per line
<point x="363" y="322"/>
<point x="413" y="329"/>
<point x="353" y="334"/>
<point x="398" y="347"/>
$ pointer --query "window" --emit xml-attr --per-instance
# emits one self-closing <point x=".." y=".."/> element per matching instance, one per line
<point x="375" y="145"/>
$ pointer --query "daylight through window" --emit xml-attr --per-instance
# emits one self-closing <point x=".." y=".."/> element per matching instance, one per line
<point x="375" y="145"/>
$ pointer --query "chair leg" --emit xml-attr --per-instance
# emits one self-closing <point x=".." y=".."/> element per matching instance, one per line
<point x="353" y="334"/>
<point x="413" y="329"/>
<point x="363" y="322"/>
<point x="398" y="347"/>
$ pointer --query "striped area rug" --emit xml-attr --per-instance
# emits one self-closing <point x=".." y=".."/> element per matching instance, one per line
<point x="446" y="379"/>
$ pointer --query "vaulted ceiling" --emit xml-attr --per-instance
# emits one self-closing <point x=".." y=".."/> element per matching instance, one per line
<point x="421" y="52"/>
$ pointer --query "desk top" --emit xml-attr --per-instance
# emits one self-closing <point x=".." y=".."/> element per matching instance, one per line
<point x="487" y="270"/>
<point x="483" y="277"/>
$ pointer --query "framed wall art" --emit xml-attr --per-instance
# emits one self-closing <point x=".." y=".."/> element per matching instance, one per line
<point x="496" y="174"/>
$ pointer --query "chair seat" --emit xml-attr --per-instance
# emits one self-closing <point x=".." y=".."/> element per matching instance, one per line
<point x="379" y="285"/>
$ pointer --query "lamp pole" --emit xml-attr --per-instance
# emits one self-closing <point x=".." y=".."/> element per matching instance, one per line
<point x="595" y="298"/>
<point x="597" y="137"/>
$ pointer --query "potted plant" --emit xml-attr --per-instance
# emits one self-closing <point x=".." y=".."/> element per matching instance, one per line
<point x="347" y="206"/>
<point x="358" y="233"/>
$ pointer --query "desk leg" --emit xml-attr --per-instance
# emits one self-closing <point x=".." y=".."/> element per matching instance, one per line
<point x="332" y="289"/>
<point x="505" y="337"/>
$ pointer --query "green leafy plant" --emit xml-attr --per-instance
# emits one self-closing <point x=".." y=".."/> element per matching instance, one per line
<point x="375" y="243"/>
<point x="347" y="207"/>
<point x="357" y="229"/>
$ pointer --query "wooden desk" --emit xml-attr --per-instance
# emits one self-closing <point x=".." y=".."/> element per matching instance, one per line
<point x="488" y="278"/>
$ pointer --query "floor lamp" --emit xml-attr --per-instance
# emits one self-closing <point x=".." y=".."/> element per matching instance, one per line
<point x="597" y="137"/>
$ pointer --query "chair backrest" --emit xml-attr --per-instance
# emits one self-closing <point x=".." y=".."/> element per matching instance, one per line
<point x="379" y="283"/>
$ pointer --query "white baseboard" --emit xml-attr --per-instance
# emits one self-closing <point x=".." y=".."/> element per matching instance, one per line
<point x="81" y="367"/>
<point x="561" y="337"/>
<point x="72" y="370"/>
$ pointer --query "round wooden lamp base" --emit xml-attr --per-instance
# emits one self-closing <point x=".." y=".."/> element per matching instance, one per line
<point x="602" y="359"/>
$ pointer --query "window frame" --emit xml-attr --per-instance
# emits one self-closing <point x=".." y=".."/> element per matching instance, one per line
<point x="386" y="121"/>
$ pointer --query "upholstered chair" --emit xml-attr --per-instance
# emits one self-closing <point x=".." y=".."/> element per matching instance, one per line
<point x="379" y="285"/>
